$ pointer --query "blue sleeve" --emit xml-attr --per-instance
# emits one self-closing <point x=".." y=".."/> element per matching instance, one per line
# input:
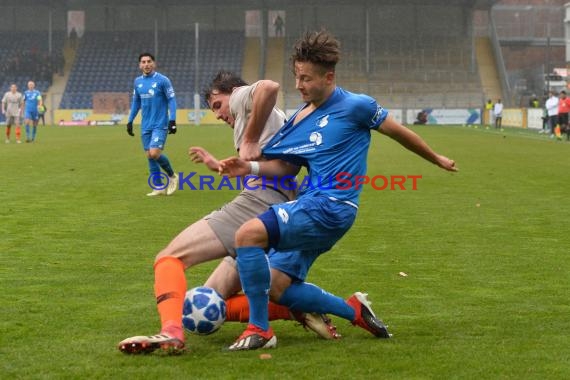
<point x="370" y="113"/>
<point x="171" y="97"/>
<point x="172" y="108"/>
<point x="135" y="105"/>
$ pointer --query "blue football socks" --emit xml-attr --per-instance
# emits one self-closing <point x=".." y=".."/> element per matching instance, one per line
<point x="154" y="168"/>
<point x="164" y="163"/>
<point x="309" y="298"/>
<point x="253" y="267"/>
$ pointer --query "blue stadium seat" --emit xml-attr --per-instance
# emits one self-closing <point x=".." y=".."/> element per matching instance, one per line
<point x="91" y="73"/>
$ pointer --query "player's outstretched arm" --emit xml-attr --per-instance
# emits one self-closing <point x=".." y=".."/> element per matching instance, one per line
<point x="200" y="155"/>
<point x="411" y="141"/>
<point x="264" y="100"/>
<point x="235" y="166"/>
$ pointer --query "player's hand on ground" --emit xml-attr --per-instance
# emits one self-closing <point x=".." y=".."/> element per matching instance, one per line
<point x="446" y="163"/>
<point x="234" y="166"/>
<point x="130" y="129"/>
<point x="200" y="155"/>
<point x="172" y="127"/>
<point x="249" y="151"/>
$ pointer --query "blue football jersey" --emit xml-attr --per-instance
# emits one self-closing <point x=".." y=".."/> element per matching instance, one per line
<point x="31" y="99"/>
<point x="332" y="142"/>
<point x="155" y="96"/>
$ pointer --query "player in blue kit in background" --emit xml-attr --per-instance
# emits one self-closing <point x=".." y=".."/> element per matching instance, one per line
<point x="154" y="94"/>
<point x="329" y="134"/>
<point x="32" y="100"/>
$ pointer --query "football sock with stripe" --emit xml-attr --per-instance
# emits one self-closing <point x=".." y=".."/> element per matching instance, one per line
<point x="237" y="310"/>
<point x="253" y="267"/>
<point x="169" y="289"/>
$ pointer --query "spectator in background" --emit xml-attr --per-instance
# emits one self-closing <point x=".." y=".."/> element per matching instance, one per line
<point x="278" y="23"/>
<point x="421" y="118"/>
<point x="544" y="120"/>
<point x="42" y="113"/>
<point x="73" y="38"/>
<point x="552" y="109"/>
<point x="534" y="102"/>
<point x="498" y="112"/>
<point x="12" y="103"/>
<point x="489" y="109"/>
<point x="563" y="109"/>
<point x="57" y="62"/>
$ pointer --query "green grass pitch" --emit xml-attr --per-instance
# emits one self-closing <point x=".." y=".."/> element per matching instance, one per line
<point x="485" y="251"/>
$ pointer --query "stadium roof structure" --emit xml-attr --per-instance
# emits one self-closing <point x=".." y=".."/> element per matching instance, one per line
<point x="80" y="4"/>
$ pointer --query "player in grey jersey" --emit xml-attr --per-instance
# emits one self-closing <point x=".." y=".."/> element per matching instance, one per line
<point x="212" y="237"/>
<point x="12" y="103"/>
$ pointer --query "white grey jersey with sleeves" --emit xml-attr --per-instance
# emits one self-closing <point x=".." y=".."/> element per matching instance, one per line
<point x="241" y="102"/>
<point x="12" y="103"/>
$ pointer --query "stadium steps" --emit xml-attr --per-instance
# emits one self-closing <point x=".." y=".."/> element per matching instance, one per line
<point x="250" y="66"/>
<point x="275" y="67"/>
<point x="55" y="92"/>
<point x="488" y="72"/>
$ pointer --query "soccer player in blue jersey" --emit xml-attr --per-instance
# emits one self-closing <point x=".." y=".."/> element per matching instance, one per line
<point x="32" y="100"/>
<point x="154" y="94"/>
<point x="329" y="135"/>
<point x="240" y="105"/>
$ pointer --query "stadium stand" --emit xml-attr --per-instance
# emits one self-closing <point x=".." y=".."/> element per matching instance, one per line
<point x="407" y="54"/>
<point x="408" y="73"/>
<point x="25" y="57"/>
<point x="107" y="62"/>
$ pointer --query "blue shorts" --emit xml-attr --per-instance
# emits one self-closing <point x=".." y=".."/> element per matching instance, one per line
<point x="31" y="115"/>
<point x="154" y="138"/>
<point x="295" y="264"/>
<point x="301" y="230"/>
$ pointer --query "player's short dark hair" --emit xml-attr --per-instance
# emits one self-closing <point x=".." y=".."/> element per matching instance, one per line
<point x="223" y="83"/>
<point x="319" y="48"/>
<point x="141" y="55"/>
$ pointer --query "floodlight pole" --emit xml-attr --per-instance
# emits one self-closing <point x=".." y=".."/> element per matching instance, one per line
<point x="196" y="76"/>
<point x="547" y="58"/>
<point x="156" y="38"/>
<point x="50" y="32"/>
<point x="367" y="46"/>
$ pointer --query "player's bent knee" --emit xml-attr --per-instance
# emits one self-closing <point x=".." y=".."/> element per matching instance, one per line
<point x="154" y="154"/>
<point x="279" y="283"/>
<point x="251" y="233"/>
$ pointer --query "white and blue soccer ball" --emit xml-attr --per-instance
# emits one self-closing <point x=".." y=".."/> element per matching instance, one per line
<point x="204" y="311"/>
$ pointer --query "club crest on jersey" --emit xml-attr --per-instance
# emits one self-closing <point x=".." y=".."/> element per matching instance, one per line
<point x="283" y="215"/>
<point x="323" y="121"/>
<point x="153" y="85"/>
<point x="316" y="138"/>
<point x="378" y="114"/>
